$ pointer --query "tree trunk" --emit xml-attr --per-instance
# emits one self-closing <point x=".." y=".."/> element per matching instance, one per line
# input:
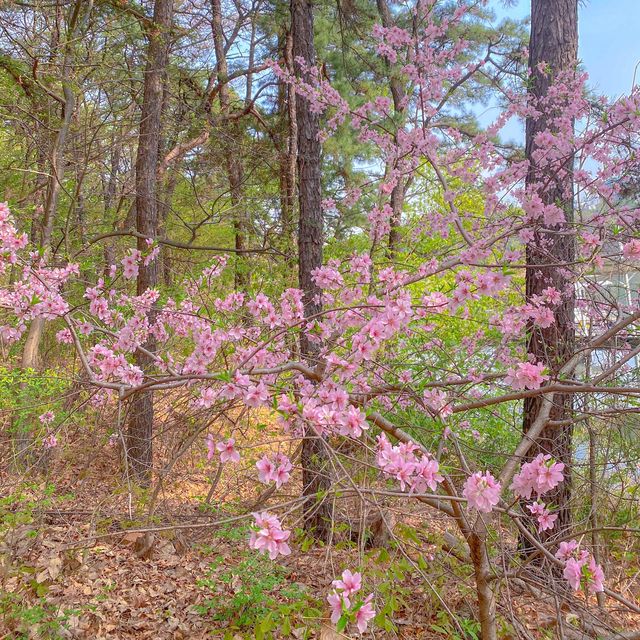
<point x="288" y="153"/>
<point x="553" y="41"/>
<point x="397" y="94"/>
<point x="482" y="573"/>
<point x="315" y="478"/>
<point x="233" y="155"/>
<point x="57" y="167"/>
<point x="140" y="427"/>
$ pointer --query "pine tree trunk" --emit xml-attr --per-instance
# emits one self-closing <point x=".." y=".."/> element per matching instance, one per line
<point x="315" y="478"/>
<point x="553" y="41"/>
<point x="288" y="153"/>
<point x="233" y="154"/>
<point x="140" y="427"/>
<point x="57" y="167"/>
<point x="397" y="95"/>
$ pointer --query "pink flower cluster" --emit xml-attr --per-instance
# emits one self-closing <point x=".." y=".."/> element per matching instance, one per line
<point x="415" y="472"/>
<point x="110" y="364"/>
<point x="631" y="249"/>
<point x="327" y="278"/>
<point x="326" y="407"/>
<point x="526" y="375"/>
<point x="130" y="264"/>
<point x="47" y="417"/>
<point x="482" y="491"/>
<point x="226" y="449"/>
<point x="580" y="567"/>
<point x="438" y="402"/>
<point x="276" y="469"/>
<point x="268" y="536"/>
<point x="10" y="240"/>
<point x="341" y="605"/>
<point x="537" y="477"/>
<point x="50" y="441"/>
<point x="546" y="519"/>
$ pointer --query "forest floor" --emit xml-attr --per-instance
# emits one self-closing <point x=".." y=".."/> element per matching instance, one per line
<point x="75" y="562"/>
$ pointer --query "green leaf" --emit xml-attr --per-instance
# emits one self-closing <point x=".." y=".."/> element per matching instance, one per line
<point x="342" y="623"/>
<point x="383" y="556"/>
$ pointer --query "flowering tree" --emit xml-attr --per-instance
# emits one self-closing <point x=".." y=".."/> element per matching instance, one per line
<point x="411" y="356"/>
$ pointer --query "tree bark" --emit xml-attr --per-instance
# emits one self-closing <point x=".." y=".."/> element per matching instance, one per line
<point x="553" y="41"/>
<point x="315" y="478"/>
<point x="235" y="170"/>
<point x="140" y="426"/>
<point x="397" y="95"/>
<point x="288" y="153"/>
<point x="57" y="167"/>
<point x="482" y="573"/>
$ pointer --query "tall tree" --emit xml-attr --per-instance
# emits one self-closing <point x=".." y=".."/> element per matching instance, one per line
<point x="553" y="48"/>
<point x="397" y="94"/>
<point x="75" y="22"/>
<point x="140" y="428"/>
<point x="315" y="477"/>
<point x="233" y="157"/>
<point x="288" y="149"/>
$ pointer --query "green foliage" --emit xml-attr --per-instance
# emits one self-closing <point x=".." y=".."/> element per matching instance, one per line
<point x="391" y="572"/>
<point x="19" y="507"/>
<point x="470" y="628"/>
<point x="43" y="620"/>
<point x="27" y="394"/>
<point x="256" y="595"/>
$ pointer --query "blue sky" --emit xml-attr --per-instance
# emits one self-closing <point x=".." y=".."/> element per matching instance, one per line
<point x="609" y="43"/>
<point x="609" y="47"/>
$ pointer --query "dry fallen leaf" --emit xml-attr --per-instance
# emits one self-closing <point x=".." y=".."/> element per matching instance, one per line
<point x="328" y="633"/>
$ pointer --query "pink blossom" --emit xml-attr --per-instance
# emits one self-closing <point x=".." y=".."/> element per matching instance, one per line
<point x="482" y="492"/>
<point x="130" y="264"/>
<point x="573" y="572"/>
<point x="580" y="568"/>
<point x="47" y="417"/>
<point x="327" y="278"/>
<point x="269" y="537"/>
<point x="339" y="603"/>
<point x="438" y="402"/>
<point x="265" y="469"/>
<point x="277" y="470"/>
<point x="152" y="255"/>
<point x="596" y="577"/>
<point x="427" y="472"/>
<point x="411" y="470"/>
<point x="526" y="375"/>
<point x="365" y="613"/>
<point x="353" y="422"/>
<point x="64" y="336"/>
<point x="550" y="475"/>
<point x="542" y="316"/>
<point x="552" y="295"/>
<point x="537" y="508"/>
<point x="539" y="476"/>
<point x="349" y="584"/>
<point x="546" y="520"/>
<point x="566" y="549"/>
<point x="211" y="446"/>
<point x="227" y="451"/>
<point x="50" y="441"/>
<point x="256" y="395"/>
<point x="631" y="249"/>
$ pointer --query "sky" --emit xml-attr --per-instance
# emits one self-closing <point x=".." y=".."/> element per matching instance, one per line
<point x="608" y="44"/>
